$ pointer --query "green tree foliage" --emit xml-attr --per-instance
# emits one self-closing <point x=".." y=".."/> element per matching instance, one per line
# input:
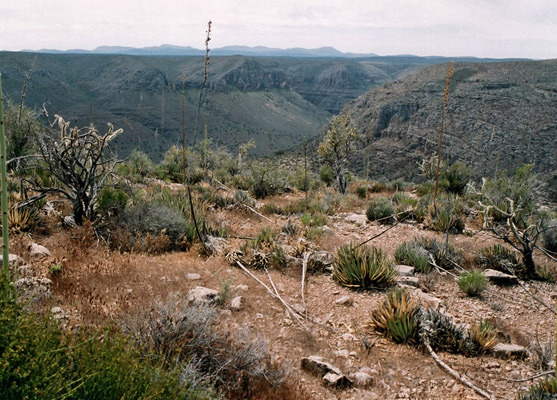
<point x="22" y="127"/>
<point x="336" y="146"/>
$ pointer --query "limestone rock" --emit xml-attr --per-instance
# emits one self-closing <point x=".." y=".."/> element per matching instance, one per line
<point x="510" y="351"/>
<point x="362" y="378"/>
<point x="193" y="277"/>
<point x="236" y="303"/>
<point x="37" y="250"/>
<point x="345" y="301"/>
<point x="318" y="366"/>
<point x="34" y="288"/>
<point x="408" y="280"/>
<point x="13" y="260"/>
<point x="499" y="277"/>
<point x="404" y="270"/>
<point x="356" y="218"/>
<point x="201" y="295"/>
<point x="336" y="381"/>
<point x="242" y="288"/>
<point x="215" y="244"/>
<point x="430" y="301"/>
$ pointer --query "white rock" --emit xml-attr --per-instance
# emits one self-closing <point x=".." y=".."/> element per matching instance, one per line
<point x="13" y="260"/>
<point x="201" y="295"/>
<point x="335" y="380"/>
<point x="37" y="250"/>
<point x="345" y="301"/>
<point x="193" y="277"/>
<point x="362" y="379"/>
<point x="510" y="351"/>
<point x="431" y="301"/>
<point x="404" y="270"/>
<point x="500" y="277"/>
<point x="236" y="303"/>
<point x="243" y="288"/>
<point x="409" y="280"/>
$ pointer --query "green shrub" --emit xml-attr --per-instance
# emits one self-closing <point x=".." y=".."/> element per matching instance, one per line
<point x="425" y="188"/>
<point x="396" y="317"/>
<point x="265" y="238"/>
<point x="549" y="237"/>
<point x="398" y="185"/>
<point x="361" y="191"/>
<point x="363" y="267"/>
<point x="111" y="201"/>
<point x="378" y="187"/>
<point x="313" y="233"/>
<point x="380" y="209"/>
<point x="409" y="253"/>
<point x="327" y="175"/>
<point x="405" y="206"/>
<point x="455" y="178"/>
<point x="472" y="283"/>
<point x="39" y="361"/>
<point x="290" y="228"/>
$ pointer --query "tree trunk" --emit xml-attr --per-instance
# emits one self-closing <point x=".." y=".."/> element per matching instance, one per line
<point x="528" y="260"/>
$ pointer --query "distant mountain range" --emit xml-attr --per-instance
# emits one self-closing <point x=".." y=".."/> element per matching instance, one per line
<point x="258" y="51"/>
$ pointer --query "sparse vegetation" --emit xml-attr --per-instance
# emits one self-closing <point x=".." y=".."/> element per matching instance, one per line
<point x="380" y="209"/>
<point x="411" y="253"/>
<point x="472" y="283"/>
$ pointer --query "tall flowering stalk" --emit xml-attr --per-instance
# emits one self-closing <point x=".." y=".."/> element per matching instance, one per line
<point x="445" y="98"/>
<point x="5" y="252"/>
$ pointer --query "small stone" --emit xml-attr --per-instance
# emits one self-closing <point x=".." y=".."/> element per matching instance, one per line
<point x="409" y="281"/>
<point x="348" y="337"/>
<point x="404" y="270"/>
<point x="37" y="250"/>
<point x="499" y="277"/>
<point x="510" y="351"/>
<point x="242" y="288"/>
<point x="215" y="244"/>
<point x="335" y="380"/>
<point x="193" y="277"/>
<point x="341" y="353"/>
<point x="356" y="218"/>
<point x="362" y="379"/>
<point x="345" y="301"/>
<point x="236" y="303"/>
<point x="201" y="295"/>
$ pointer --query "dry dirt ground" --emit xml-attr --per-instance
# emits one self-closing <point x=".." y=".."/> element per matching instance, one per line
<point x="98" y="285"/>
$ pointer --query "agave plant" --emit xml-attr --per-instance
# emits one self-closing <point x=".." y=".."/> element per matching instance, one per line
<point x="363" y="267"/>
<point x="22" y="219"/>
<point x="396" y="317"/>
<point x="484" y="336"/>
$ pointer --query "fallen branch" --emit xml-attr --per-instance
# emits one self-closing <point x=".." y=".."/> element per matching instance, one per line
<point x="379" y="234"/>
<point x="294" y="314"/>
<point x="304" y="269"/>
<point x="245" y="205"/>
<point x="531" y="378"/>
<point x="461" y="378"/>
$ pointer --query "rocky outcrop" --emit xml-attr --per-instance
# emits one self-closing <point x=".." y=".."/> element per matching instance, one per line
<point x="498" y="115"/>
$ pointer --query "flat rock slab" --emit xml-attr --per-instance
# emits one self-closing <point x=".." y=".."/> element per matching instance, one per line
<point x="200" y="295"/>
<point x="318" y="366"/>
<point x="500" y="278"/>
<point x="193" y="277"/>
<point x="431" y="301"/>
<point x="508" y="351"/>
<point x="356" y="218"/>
<point x="404" y="270"/>
<point x="236" y="303"/>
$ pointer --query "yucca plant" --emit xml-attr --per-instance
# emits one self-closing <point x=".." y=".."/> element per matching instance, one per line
<point x="443" y="334"/>
<point x="484" y="336"/>
<point x="545" y="390"/>
<point x="409" y="253"/>
<point x="396" y="317"/>
<point x="473" y="283"/>
<point x="22" y="219"/>
<point x="363" y="267"/>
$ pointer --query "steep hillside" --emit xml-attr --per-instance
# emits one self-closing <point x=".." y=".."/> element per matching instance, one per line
<point x="498" y="116"/>
<point x="275" y="101"/>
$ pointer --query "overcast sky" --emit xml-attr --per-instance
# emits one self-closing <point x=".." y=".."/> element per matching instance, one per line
<point x="482" y="28"/>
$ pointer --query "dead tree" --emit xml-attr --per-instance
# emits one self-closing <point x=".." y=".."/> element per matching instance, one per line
<point x="80" y="161"/>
